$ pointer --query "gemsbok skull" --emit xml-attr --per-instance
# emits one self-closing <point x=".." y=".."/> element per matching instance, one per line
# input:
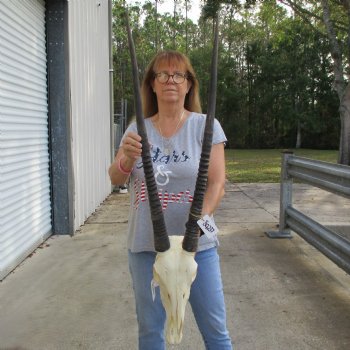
<point x="175" y="268"/>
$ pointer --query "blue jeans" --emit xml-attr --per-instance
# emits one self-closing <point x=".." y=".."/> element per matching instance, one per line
<point x="206" y="299"/>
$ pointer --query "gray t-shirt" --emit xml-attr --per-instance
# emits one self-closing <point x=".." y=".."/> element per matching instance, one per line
<point x="175" y="164"/>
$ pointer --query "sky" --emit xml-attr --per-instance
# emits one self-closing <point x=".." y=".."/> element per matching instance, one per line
<point x="168" y="6"/>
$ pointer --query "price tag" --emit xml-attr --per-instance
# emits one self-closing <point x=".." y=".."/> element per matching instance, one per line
<point x="207" y="224"/>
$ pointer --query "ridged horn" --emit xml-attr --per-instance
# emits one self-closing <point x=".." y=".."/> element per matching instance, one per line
<point x="190" y="241"/>
<point x="161" y="239"/>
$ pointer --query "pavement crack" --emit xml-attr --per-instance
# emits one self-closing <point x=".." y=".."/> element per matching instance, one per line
<point x="257" y="203"/>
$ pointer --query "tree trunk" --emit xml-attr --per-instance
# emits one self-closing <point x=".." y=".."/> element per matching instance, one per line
<point x="344" y="150"/>
<point x="230" y="30"/>
<point x="186" y="29"/>
<point x="296" y="103"/>
<point x="344" y="110"/>
<point x="298" y="143"/>
<point x="174" y="23"/>
<point x="156" y="25"/>
<point x="340" y="87"/>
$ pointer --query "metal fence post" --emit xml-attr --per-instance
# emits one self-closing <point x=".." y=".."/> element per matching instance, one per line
<point x="285" y="199"/>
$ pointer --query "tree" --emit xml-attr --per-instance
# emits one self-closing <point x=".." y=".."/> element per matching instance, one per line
<point x="274" y="74"/>
<point x="337" y="29"/>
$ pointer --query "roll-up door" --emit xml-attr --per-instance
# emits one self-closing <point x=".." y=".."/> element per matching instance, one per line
<point x="25" y="207"/>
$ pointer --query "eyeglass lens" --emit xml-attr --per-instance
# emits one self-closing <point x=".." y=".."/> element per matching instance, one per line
<point x="164" y="77"/>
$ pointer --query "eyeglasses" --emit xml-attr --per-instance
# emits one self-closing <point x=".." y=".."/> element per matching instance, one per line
<point x="163" y="77"/>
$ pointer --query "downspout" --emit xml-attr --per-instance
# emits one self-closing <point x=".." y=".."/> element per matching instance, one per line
<point x="111" y="101"/>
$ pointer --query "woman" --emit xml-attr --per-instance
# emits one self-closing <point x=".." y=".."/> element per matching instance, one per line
<point x="175" y="130"/>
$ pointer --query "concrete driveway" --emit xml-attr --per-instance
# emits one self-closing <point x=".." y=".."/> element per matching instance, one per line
<point x="75" y="292"/>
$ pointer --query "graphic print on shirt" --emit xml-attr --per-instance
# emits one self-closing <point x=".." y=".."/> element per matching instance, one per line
<point x="183" y="197"/>
<point x="162" y="177"/>
<point x="159" y="157"/>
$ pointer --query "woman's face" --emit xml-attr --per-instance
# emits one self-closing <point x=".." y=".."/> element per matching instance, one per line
<point x="170" y="92"/>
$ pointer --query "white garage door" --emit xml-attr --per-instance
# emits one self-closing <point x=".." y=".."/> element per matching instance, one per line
<point x="25" y="208"/>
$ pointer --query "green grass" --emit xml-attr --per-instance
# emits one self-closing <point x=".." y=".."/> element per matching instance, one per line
<point x="264" y="165"/>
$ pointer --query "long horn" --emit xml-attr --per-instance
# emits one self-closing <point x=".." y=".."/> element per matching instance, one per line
<point x="190" y="242"/>
<point x="161" y="239"/>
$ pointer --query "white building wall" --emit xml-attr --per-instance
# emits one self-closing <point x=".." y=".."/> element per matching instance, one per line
<point x="25" y="206"/>
<point x="90" y="101"/>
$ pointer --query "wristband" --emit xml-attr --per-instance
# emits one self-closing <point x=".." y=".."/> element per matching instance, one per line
<point x="121" y="169"/>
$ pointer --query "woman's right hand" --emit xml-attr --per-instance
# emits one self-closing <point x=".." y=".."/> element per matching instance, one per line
<point x="132" y="146"/>
<point x="125" y="159"/>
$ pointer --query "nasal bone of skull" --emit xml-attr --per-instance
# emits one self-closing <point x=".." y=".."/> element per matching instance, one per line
<point x="174" y="271"/>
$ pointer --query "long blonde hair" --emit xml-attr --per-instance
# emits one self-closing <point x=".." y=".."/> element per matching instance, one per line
<point x="149" y="98"/>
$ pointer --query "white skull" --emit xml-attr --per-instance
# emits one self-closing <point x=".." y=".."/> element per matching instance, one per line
<point x="174" y="271"/>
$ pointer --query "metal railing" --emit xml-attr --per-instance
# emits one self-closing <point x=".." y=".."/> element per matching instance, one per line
<point x="333" y="178"/>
